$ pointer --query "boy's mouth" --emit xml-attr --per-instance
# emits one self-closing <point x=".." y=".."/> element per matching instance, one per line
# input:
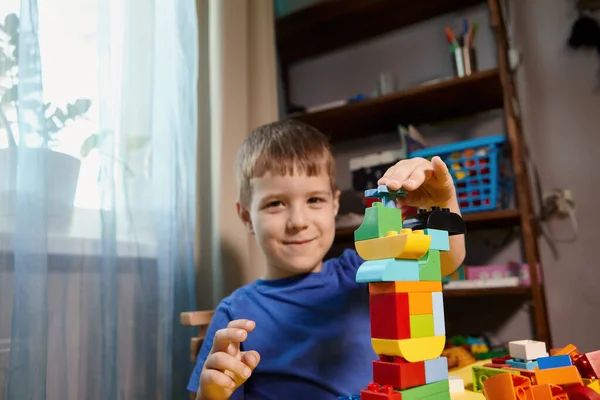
<point x="298" y="242"/>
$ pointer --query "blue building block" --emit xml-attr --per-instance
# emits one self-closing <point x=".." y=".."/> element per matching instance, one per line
<point x="522" y="364"/>
<point x="388" y="197"/>
<point x="439" y="322"/>
<point x="353" y="397"/>
<point x="388" y="270"/>
<point x="563" y="360"/>
<point x="436" y="370"/>
<point x="439" y="239"/>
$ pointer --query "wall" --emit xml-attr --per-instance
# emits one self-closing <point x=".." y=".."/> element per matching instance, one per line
<point x="562" y="125"/>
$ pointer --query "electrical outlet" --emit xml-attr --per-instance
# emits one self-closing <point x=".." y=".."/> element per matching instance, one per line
<point x="559" y="203"/>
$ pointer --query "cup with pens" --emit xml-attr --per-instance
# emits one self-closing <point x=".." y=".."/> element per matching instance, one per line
<point x="462" y="49"/>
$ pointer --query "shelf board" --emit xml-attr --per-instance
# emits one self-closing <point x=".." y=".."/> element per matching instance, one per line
<point x="335" y="24"/>
<point x="480" y="220"/>
<point x="447" y="99"/>
<point x="480" y="292"/>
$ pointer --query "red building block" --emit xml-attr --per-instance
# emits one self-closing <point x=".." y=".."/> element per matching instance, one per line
<point x="588" y="365"/>
<point x="376" y="392"/>
<point x="580" y="392"/>
<point x="390" y="317"/>
<point x="400" y="374"/>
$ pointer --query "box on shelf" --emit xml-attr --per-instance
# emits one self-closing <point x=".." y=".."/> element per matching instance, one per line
<point x="512" y="269"/>
<point x="482" y="176"/>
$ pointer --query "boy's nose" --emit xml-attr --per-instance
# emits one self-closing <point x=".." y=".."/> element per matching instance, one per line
<point x="297" y="219"/>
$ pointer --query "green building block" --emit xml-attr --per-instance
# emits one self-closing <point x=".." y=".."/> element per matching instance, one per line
<point x="431" y="390"/>
<point x="430" y="268"/>
<point x="481" y="373"/>
<point x="421" y="326"/>
<point x="378" y="222"/>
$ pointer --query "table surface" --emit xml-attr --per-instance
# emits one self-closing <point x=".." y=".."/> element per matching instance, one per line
<point x="466" y="375"/>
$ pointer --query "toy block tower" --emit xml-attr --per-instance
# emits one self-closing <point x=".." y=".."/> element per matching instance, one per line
<point x="402" y="268"/>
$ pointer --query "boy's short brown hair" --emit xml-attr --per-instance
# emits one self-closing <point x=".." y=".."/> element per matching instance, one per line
<point x="282" y="148"/>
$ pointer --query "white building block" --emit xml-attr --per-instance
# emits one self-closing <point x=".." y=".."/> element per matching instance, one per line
<point x="457" y="384"/>
<point x="527" y="350"/>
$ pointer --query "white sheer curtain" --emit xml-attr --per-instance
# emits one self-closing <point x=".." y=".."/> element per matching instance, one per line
<point x="97" y="201"/>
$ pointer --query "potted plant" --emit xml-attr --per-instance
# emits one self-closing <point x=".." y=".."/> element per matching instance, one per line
<point x="61" y="170"/>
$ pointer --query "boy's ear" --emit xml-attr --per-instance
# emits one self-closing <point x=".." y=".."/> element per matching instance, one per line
<point x="244" y="216"/>
<point x="336" y="202"/>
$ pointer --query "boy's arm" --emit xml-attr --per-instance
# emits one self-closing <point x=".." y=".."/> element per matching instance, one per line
<point x="220" y="320"/>
<point x="453" y="259"/>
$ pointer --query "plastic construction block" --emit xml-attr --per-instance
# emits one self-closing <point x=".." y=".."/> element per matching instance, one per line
<point x="527" y="350"/>
<point x="405" y="245"/>
<point x="378" y="221"/>
<point x="558" y="376"/>
<point x="436" y="370"/>
<point x="579" y="392"/>
<point x="400" y="375"/>
<point x="388" y="197"/>
<point x="351" y="397"/>
<point x="376" y="392"/>
<point x="589" y="364"/>
<point x="413" y="349"/>
<point x="593" y="384"/>
<point x="389" y="316"/>
<point x="388" y="270"/>
<point x="437" y="218"/>
<point x="548" y="392"/>
<point x="430" y="268"/>
<point x="439" y="239"/>
<point x="404" y="287"/>
<point x="507" y="387"/>
<point x="481" y="374"/>
<point x="420" y="303"/>
<point x="530" y="365"/>
<point x="439" y="320"/>
<point x="427" y="391"/>
<point x="563" y="360"/>
<point x="421" y="326"/>
<point x="457" y="384"/>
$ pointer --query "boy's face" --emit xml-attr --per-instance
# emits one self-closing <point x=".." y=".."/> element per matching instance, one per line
<point x="293" y="219"/>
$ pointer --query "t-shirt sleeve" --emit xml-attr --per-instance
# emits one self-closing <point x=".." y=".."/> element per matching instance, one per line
<point x="220" y="320"/>
<point x="350" y="261"/>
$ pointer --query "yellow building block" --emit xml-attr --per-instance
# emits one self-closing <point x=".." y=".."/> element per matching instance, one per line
<point x="593" y="384"/>
<point x="421" y="326"/>
<point x="406" y="245"/>
<point x="413" y="349"/>
<point x="420" y="303"/>
<point x="405" y="287"/>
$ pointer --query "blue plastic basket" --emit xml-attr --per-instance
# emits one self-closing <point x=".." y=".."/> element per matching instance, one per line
<point x="483" y="178"/>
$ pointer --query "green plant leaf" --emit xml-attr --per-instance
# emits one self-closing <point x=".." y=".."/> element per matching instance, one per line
<point x="89" y="144"/>
<point x="136" y="142"/>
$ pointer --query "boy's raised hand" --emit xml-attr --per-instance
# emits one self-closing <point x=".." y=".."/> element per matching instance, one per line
<point x="428" y="183"/>
<point x="227" y="367"/>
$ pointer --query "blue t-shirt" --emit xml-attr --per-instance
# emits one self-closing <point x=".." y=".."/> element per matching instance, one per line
<point x="312" y="333"/>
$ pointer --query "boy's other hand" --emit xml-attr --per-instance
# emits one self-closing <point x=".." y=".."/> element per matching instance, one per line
<point x="227" y="367"/>
<point x="428" y="183"/>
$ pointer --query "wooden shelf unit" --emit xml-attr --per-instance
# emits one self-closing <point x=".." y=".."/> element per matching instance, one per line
<point x="331" y="25"/>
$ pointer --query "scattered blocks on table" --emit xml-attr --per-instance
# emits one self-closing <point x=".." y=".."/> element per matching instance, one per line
<point x="521" y="364"/>
<point x="563" y="360"/>
<point x="527" y="349"/>
<point x="456" y="384"/>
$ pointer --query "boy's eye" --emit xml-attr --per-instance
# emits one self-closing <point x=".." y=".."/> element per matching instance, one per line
<point x="272" y="204"/>
<point x="316" y="200"/>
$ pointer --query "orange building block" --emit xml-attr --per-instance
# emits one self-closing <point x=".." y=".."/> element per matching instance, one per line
<point x="390" y="318"/>
<point x="548" y="392"/>
<point x="420" y="303"/>
<point x="404" y="287"/>
<point x="569" y="349"/>
<point x="507" y="387"/>
<point x="558" y="376"/>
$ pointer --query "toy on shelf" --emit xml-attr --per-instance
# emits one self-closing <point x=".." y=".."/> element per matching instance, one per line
<point x="529" y="372"/>
<point x="402" y="268"/>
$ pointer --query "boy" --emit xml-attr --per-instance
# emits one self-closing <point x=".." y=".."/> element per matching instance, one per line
<point x="303" y="330"/>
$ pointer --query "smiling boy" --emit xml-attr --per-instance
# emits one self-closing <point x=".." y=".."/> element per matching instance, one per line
<point x="302" y="331"/>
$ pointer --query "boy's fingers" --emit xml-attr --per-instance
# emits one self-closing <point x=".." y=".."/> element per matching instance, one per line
<point x="245" y="324"/>
<point x="440" y="169"/>
<point x="224" y="337"/>
<point x="225" y="362"/>
<point x="419" y="175"/>
<point x="251" y="358"/>
<point x="218" y="378"/>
